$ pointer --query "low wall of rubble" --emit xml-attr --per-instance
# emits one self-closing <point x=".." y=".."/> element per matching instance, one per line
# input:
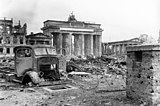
<point x="143" y="74"/>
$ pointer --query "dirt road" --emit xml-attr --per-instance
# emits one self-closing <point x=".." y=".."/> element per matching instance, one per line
<point x="110" y="92"/>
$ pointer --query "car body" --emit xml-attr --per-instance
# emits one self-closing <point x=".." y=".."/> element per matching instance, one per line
<point x="36" y="62"/>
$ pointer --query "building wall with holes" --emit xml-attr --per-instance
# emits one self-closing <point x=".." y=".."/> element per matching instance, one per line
<point x="143" y="73"/>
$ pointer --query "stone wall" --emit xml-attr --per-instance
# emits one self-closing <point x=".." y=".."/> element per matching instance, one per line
<point x="143" y="76"/>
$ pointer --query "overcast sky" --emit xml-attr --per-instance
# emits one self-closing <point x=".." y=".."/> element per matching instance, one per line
<point x="120" y="19"/>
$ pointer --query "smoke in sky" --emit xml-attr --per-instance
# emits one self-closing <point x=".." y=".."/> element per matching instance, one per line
<point x="34" y="12"/>
<point x="23" y="10"/>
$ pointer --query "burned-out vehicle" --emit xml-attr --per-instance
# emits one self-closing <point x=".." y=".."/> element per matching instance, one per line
<point x="37" y="63"/>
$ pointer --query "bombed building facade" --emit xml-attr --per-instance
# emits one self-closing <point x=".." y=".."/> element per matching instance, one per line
<point x="38" y="39"/>
<point x="70" y="37"/>
<point x="11" y="36"/>
<point x="74" y="37"/>
<point x="118" y="47"/>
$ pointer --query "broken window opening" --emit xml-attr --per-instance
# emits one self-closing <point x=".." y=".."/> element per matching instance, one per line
<point x="21" y="53"/>
<point x="1" y="50"/>
<point x="1" y="40"/>
<point x="8" y="51"/>
<point x="21" y="40"/>
<point x="138" y="56"/>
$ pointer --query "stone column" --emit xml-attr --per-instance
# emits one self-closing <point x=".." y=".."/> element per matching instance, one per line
<point x="112" y="49"/>
<point x="125" y="46"/>
<point x="66" y="43"/>
<point x="88" y="44"/>
<point x="123" y="49"/>
<point x="120" y="49"/>
<point x="107" y="49"/>
<point x="60" y="38"/>
<point x="97" y="45"/>
<point x="95" y="50"/>
<point x="57" y="42"/>
<point x="91" y="44"/>
<point x="70" y="43"/>
<point x="100" y="45"/>
<point x="82" y="43"/>
<point x="77" y="45"/>
<point x="51" y="41"/>
<point x="116" y="50"/>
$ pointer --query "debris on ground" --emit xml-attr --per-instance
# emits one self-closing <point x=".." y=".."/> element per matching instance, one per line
<point x="105" y="85"/>
<point x="99" y="66"/>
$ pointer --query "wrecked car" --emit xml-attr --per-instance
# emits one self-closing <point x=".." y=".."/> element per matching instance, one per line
<point x="36" y="64"/>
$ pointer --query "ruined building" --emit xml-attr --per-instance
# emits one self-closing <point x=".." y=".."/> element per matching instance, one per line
<point x="143" y="75"/>
<point x="74" y="37"/>
<point x="118" y="47"/>
<point x="11" y="36"/>
<point x="38" y="39"/>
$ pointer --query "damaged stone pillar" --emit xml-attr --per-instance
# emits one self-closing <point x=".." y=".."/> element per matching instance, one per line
<point x="123" y="49"/>
<point x="78" y="44"/>
<point x="115" y="49"/>
<point x="100" y="45"/>
<point x="70" y="43"/>
<point x="82" y="47"/>
<point x="88" y="44"/>
<point x="91" y="44"/>
<point x="66" y="44"/>
<point x="112" y="49"/>
<point x="57" y="42"/>
<point x="120" y="49"/>
<point x="143" y="74"/>
<point x="60" y="42"/>
<point x="97" y="45"/>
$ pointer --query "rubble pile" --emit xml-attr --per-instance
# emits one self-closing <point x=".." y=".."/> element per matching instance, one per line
<point x="100" y="65"/>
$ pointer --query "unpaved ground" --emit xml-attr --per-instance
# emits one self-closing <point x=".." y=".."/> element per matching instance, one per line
<point x="110" y="92"/>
